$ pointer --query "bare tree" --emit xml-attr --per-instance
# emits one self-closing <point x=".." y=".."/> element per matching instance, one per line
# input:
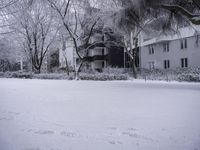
<point x="10" y="54"/>
<point x="133" y="16"/>
<point x="34" y="23"/>
<point x="185" y="9"/>
<point x="70" y="15"/>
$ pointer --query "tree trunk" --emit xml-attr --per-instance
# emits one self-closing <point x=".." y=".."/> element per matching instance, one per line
<point x="36" y="70"/>
<point x="134" y="69"/>
<point x="67" y="66"/>
<point x="21" y="64"/>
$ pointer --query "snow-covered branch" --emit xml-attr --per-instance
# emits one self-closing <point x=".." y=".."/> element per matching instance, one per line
<point x="194" y="18"/>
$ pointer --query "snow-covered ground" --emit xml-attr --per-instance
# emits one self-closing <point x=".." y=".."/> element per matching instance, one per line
<point x="86" y="115"/>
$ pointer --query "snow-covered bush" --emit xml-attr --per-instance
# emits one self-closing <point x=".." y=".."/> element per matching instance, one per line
<point x="1" y="74"/>
<point x="178" y="74"/>
<point x="103" y="76"/>
<point x="106" y="74"/>
<point x="57" y="76"/>
<point x="189" y="77"/>
<point x="110" y="70"/>
<point x="20" y="74"/>
<point x="16" y="74"/>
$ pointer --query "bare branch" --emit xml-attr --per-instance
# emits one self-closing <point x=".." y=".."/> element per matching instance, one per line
<point x="194" y="18"/>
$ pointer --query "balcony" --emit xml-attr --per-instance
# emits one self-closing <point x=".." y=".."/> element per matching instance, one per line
<point x="96" y="57"/>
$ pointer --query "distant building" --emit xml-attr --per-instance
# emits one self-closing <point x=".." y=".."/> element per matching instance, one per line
<point x="181" y="50"/>
<point x="51" y="59"/>
<point x="45" y="64"/>
<point x="67" y="53"/>
<point x="102" y="57"/>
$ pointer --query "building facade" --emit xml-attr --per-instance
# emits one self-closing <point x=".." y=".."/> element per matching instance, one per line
<point x="101" y="56"/>
<point x="181" y="50"/>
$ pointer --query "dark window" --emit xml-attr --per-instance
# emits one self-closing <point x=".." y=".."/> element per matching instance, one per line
<point x="181" y="44"/>
<point x="102" y="51"/>
<point x="197" y="40"/>
<point x="185" y="43"/>
<point x="166" y="64"/>
<point x="184" y="62"/>
<point x="103" y="64"/>
<point x="151" y="50"/>
<point x="166" y="47"/>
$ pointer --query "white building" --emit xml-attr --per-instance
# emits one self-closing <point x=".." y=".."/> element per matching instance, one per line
<point x="180" y="50"/>
<point x="67" y="54"/>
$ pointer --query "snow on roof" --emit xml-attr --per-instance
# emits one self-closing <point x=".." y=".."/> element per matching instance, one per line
<point x="182" y="33"/>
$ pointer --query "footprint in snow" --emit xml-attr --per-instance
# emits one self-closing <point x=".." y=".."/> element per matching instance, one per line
<point x="68" y="134"/>
<point x="132" y="129"/>
<point x="44" y="132"/>
<point x="32" y="149"/>
<point x="112" y="128"/>
<point x="13" y="113"/>
<point x="115" y="142"/>
<point x="135" y="135"/>
<point x="5" y="119"/>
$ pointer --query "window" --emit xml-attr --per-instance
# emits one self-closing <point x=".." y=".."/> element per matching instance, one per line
<point x="103" y="51"/>
<point x="103" y="64"/>
<point x="184" y="62"/>
<point x="197" y="40"/>
<point x="166" y="64"/>
<point x="151" y="50"/>
<point x="165" y="47"/>
<point x="183" y="43"/>
<point x="151" y="65"/>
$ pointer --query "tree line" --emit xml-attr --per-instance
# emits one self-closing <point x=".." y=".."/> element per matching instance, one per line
<point x="34" y="26"/>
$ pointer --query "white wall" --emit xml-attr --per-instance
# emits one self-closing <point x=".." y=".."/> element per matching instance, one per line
<point x="98" y="51"/>
<point x="69" y="53"/>
<point x="174" y="55"/>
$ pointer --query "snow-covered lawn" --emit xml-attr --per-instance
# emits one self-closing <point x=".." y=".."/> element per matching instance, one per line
<point x="86" y="115"/>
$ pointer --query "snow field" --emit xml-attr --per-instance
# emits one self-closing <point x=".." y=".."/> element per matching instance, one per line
<point x="88" y="115"/>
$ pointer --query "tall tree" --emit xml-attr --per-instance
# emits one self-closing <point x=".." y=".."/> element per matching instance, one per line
<point x="133" y="16"/>
<point x="71" y="13"/>
<point x="35" y="25"/>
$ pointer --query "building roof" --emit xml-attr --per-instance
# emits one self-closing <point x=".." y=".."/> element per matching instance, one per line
<point x="181" y="33"/>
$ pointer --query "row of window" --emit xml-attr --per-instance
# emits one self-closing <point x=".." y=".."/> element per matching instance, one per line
<point x="166" y="47"/>
<point x="166" y="63"/>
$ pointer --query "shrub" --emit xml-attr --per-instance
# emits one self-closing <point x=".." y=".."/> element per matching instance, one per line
<point x="102" y="77"/>
<point x="178" y="74"/>
<point x="20" y="74"/>
<point x="189" y="77"/>
<point x="110" y="70"/>
<point x="1" y="74"/>
<point x="17" y="74"/>
<point x="55" y="76"/>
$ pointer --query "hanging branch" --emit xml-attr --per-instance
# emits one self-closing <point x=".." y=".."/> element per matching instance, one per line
<point x="194" y="18"/>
